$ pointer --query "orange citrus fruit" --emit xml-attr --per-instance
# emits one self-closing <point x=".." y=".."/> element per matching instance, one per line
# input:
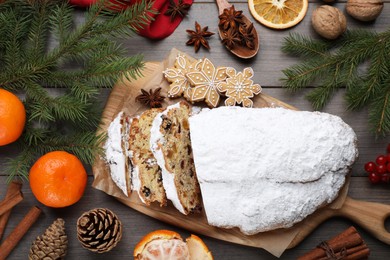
<point x="12" y="117"/>
<point x="198" y="249"/>
<point x="166" y="244"/>
<point x="278" y="14"/>
<point x="58" y="179"/>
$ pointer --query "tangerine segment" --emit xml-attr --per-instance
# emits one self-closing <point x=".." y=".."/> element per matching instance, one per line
<point x="198" y="249"/>
<point x="58" y="179"/>
<point x="12" y="117"/>
<point x="158" y="234"/>
<point x="278" y="14"/>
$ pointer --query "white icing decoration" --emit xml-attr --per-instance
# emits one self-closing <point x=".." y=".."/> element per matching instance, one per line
<point x="157" y="140"/>
<point x="239" y="87"/>
<point x="206" y="81"/>
<point x="177" y="76"/>
<point x="268" y="168"/>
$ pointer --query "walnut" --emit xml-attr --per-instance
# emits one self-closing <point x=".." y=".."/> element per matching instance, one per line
<point x="329" y="22"/>
<point x="364" y="10"/>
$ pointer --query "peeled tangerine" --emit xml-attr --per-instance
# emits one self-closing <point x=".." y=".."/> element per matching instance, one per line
<point x="168" y="245"/>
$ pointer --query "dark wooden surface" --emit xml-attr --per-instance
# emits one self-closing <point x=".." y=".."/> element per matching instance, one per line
<point x="267" y="66"/>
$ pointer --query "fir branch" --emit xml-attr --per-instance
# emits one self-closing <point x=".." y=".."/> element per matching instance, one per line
<point x="61" y="22"/>
<point x="339" y="66"/>
<point x="379" y="114"/>
<point x="19" y="166"/>
<point x="29" y="62"/>
<point x="85" y="145"/>
<point x="305" y="47"/>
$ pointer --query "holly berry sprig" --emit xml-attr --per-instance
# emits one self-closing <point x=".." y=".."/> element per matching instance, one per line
<point x="379" y="171"/>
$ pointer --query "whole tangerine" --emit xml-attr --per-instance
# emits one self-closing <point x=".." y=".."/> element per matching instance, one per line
<point x="12" y="117"/>
<point x="58" y="179"/>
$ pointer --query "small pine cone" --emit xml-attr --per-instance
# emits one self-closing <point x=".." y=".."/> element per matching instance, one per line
<point x="52" y="244"/>
<point x="99" y="230"/>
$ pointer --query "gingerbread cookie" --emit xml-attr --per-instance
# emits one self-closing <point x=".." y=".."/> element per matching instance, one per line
<point x="239" y="87"/>
<point x="205" y="81"/>
<point x="177" y="77"/>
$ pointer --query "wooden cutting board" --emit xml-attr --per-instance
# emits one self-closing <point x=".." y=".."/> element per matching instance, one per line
<point x="368" y="215"/>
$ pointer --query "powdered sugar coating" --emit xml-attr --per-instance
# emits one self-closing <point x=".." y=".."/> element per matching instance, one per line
<point x="156" y="141"/>
<point x="115" y="156"/>
<point x="265" y="168"/>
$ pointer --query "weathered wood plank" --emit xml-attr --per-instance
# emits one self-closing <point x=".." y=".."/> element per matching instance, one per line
<point x="137" y="225"/>
<point x="268" y="63"/>
<point x="369" y="146"/>
<point x="267" y="66"/>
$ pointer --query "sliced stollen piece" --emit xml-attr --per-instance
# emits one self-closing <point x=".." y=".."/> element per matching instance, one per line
<point x="261" y="169"/>
<point x="146" y="175"/>
<point x="171" y="146"/>
<point x="115" y="151"/>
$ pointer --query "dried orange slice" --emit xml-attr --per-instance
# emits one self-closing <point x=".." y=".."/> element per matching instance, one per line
<point x="278" y="14"/>
<point x="168" y="245"/>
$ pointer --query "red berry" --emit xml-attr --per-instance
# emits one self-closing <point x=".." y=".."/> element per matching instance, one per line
<point x="385" y="178"/>
<point x="381" y="168"/>
<point x="374" y="178"/>
<point x="388" y="167"/>
<point x="388" y="157"/>
<point x="388" y="148"/>
<point x="370" y="167"/>
<point x="381" y="159"/>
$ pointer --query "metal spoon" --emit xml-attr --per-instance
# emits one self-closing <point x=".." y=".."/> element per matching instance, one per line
<point x="239" y="50"/>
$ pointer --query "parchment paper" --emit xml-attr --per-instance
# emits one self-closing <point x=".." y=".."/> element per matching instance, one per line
<point x="121" y="98"/>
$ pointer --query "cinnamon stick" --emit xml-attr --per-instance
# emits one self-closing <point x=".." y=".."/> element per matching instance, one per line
<point x="19" y="231"/>
<point x="348" y="245"/>
<point x="13" y="188"/>
<point x="351" y="254"/>
<point x="9" y="203"/>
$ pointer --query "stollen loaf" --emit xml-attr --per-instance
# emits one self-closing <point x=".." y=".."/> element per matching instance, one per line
<point x="261" y="169"/>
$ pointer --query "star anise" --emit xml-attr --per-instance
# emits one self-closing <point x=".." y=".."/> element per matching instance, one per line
<point x="247" y="36"/>
<point x="176" y="9"/>
<point x="198" y="37"/>
<point x="231" y="38"/>
<point x="152" y="98"/>
<point x="230" y="18"/>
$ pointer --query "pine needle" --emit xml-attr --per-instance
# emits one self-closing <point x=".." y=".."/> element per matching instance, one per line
<point x="30" y="62"/>
<point x="333" y="65"/>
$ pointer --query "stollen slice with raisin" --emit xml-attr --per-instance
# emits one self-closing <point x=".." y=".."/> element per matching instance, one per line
<point x="146" y="174"/>
<point x="171" y="146"/>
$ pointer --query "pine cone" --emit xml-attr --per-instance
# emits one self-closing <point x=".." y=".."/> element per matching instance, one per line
<point x="52" y="244"/>
<point x="99" y="230"/>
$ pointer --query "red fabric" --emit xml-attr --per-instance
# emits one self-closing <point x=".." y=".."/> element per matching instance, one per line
<point x="160" y="28"/>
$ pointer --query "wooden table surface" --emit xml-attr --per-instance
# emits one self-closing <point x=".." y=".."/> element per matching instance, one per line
<point x="267" y="66"/>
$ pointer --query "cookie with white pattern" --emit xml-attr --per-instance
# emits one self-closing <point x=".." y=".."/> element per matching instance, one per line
<point x="239" y="87"/>
<point x="180" y="86"/>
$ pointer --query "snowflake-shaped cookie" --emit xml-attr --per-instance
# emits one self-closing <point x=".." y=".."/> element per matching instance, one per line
<point x="205" y="81"/>
<point x="239" y="87"/>
<point x="177" y="77"/>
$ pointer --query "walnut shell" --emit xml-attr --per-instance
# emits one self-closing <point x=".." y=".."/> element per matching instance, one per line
<point x="364" y="10"/>
<point x="328" y="21"/>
